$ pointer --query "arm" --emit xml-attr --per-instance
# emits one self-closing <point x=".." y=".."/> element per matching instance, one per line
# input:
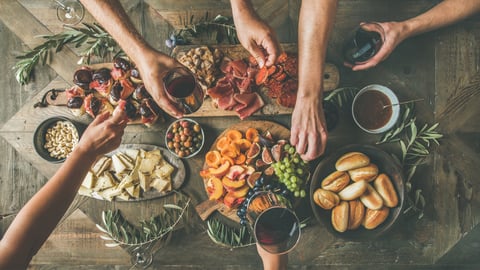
<point x="308" y="131"/>
<point x="37" y="219"/>
<point x="445" y="13"/>
<point x="272" y="261"/>
<point x="151" y="63"/>
<point x="254" y="34"/>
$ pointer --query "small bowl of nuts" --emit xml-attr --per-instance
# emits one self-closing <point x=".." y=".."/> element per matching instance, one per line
<point x="184" y="138"/>
<point x="55" y="138"/>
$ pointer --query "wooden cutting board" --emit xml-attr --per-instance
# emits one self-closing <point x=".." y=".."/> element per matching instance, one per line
<point x="206" y="208"/>
<point x="331" y="80"/>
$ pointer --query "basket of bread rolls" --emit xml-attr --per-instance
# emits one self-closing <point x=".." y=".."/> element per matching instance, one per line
<point x="357" y="192"/>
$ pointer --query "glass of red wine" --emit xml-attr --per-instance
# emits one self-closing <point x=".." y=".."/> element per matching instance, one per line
<point x="183" y="89"/>
<point x="274" y="224"/>
<point x="363" y="43"/>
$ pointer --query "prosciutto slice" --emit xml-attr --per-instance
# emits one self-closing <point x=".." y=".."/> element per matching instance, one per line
<point x="236" y="90"/>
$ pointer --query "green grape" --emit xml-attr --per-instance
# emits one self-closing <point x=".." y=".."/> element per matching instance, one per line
<point x="296" y="193"/>
<point x="303" y="193"/>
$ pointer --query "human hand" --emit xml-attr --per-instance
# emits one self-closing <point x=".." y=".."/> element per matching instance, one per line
<point x="309" y="129"/>
<point x="272" y="261"/>
<point x="153" y="66"/>
<point x="104" y="133"/>
<point x="257" y="37"/>
<point x="394" y="34"/>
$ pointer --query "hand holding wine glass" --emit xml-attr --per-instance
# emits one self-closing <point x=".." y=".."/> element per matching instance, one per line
<point x="393" y="34"/>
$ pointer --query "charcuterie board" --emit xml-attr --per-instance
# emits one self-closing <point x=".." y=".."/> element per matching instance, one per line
<point x="271" y="107"/>
<point x="207" y="207"/>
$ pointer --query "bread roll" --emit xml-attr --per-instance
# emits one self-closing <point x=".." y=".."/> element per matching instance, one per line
<point x="336" y="181"/>
<point x="340" y="217"/>
<point x="367" y="173"/>
<point x="373" y="218"/>
<point x="353" y="191"/>
<point x="351" y="161"/>
<point x="325" y="199"/>
<point x="371" y="199"/>
<point x="356" y="212"/>
<point x="385" y="188"/>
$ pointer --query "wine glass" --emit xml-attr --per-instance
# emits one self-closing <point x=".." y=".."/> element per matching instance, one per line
<point x="70" y="12"/>
<point x="183" y="90"/>
<point x="363" y="43"/>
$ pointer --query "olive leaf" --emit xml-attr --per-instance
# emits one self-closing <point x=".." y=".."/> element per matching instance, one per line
<point x="227" y="236"/>
<point x="95" y="40"/>
<point x="342" y="97"/>
<point x="123" y="233"/>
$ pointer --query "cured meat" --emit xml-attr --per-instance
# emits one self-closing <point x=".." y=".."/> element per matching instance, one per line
<point x="236" y="90"/>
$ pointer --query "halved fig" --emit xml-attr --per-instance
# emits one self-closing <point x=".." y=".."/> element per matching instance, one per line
<point x="277" y="152"/>
<point x="269" y="171"/>
<point x="253" y="151"/>
<point x="266" y="139"/>
<point x="253" y="178"/>
<point x="259" y="163"/>
<point x="267" y="155"/>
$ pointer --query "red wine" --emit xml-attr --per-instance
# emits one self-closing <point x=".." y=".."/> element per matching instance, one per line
<point x="277" y="226"/>
<point x="181" y="87"/>
<point x="363" y="46"/>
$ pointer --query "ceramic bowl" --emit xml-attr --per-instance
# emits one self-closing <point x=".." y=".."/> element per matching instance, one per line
<point x="40" y="140"/>
<point x="184" y="138"/>
<point x="367" y="109"/>
<point x="386" y="164"/>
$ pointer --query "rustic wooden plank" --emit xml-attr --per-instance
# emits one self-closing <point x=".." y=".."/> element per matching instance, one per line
<point x="457" y="80"/>
<point x="77" y="241"/>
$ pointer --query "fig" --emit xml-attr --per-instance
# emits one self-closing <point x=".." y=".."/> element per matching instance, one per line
<point x="267" y="155"/>
<point x="102" y="75"/>
<point x="75" y="102"/>
<point x="269" y="171"/>
<point x="122" y="64"/>
<point x="131" y="110"/>
<point x="83" y="78"/>
<point x="259" y="163"/>
<point x="277" y="152"/>
<point x="253" y="151"/>
<point x="266" y="139"/>
<point x="253" y="178"/>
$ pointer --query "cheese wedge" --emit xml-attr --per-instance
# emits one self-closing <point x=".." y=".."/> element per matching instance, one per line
<point x="89" y="180"/>
<point x="118" y="164"/>
<point x="102" y="164"/>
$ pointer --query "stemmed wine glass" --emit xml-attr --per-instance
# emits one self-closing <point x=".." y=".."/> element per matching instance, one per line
<point x="69" y="12"/>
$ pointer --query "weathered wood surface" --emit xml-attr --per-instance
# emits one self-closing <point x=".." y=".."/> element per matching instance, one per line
<point x="440" y="66"/>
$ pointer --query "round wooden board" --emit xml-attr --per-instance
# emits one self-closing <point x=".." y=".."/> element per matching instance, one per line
<point x="278" y="132"/>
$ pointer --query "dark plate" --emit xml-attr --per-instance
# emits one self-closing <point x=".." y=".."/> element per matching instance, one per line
<point x="386" y="164"/>
<point x="39" y="136"/>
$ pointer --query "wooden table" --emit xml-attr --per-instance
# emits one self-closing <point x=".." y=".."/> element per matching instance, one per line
<point x="440" y="66"/>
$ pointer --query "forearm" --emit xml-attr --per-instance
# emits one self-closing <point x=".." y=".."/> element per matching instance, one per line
<point x="37" y="219"/>
<point x="445" y="13"/>
<point x="111" y="15"/>
<point x="315" y="24"/>
<point x="241" y="7"/>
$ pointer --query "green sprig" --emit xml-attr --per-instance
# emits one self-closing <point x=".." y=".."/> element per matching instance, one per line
<point x="95" y="40"/>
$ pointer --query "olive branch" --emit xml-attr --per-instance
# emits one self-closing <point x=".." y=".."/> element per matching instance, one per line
<point x="218" y="29"/>
<point x="95" y="40"/>
<point x="120" y="232"/>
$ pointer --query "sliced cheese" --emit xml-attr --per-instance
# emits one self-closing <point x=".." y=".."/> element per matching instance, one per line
<point x="144" y="181"/>
<point x="132" y="153"/>
<point x="161" y="184"/>
<point x="89" y="180"/>
<point x="126" y="160"/>
<point x="105" y="181"/>
<point x="118" y="165"/>
<point x="102" y="164"/>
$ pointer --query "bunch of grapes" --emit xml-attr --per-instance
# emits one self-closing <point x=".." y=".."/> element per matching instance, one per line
<point x="292" y="171"/>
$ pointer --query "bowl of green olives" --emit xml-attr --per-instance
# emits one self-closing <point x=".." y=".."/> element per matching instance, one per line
<point x="184" y="138"/>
